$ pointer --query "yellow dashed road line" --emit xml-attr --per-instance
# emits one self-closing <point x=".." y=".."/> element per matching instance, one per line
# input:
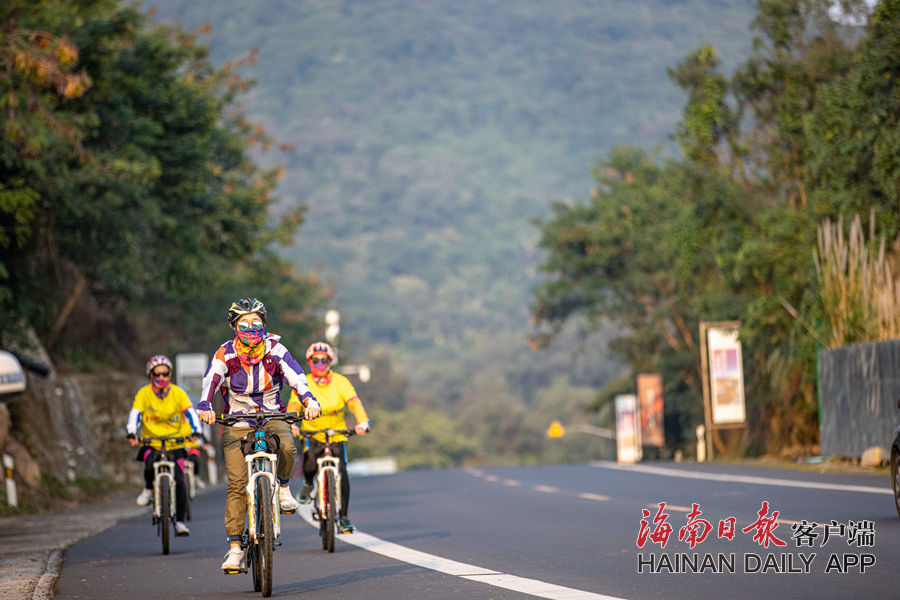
<point x="588" y="496"/>
<point x="546" y="488"/>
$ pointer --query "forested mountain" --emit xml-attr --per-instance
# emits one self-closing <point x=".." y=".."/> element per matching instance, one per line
<point x="426" y="138"/>
<point x="479" y="178"/>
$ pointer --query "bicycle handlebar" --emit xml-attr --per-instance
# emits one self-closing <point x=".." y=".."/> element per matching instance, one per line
<point x="258" y="416"/>
<point x="328" y="432"/>
<point x="178" y="439"/>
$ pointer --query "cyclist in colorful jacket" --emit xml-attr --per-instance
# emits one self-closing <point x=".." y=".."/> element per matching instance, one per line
<point x="161" y="408"/>
<point x="335" y="394"/>
<point x="250" y="371"/>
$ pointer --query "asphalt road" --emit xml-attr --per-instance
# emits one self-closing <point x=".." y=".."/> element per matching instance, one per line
<point x="564" y="532"/>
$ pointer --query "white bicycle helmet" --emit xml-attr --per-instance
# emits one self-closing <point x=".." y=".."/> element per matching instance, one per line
<point x="156" y="360"/>
<point x="320" y="348"/>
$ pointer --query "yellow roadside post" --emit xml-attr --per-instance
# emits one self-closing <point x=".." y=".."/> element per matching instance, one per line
<point x="556" y="430"/>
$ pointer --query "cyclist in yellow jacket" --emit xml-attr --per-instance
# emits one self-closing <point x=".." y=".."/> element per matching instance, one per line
<point x="161" y="408"/>
<point x="335" y="394"/>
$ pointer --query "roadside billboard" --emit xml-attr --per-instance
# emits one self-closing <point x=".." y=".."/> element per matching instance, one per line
<point x="649" y="392"/>
<point x="628" y="431"/>
<point x="726" y="376"/>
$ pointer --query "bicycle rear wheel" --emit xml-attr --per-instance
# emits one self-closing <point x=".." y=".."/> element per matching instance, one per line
<point x="265" y="533"/>
<point x="330" y="513"/>
<point x="165" y="514"/>
<point x="253" y="564"/>
<point x="192" y="488"/>
<point x="187" y="497"/>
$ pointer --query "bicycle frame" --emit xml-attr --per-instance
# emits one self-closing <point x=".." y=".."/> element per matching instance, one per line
<point x="261" y="465"/>
<point x="163" y="468"/>
<point x="164" y="472"/>
<point x="327" y="463"/>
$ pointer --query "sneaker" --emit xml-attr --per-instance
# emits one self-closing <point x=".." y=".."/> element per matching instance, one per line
<point x="201" y="485"/>
<point x="234" y="561"/>
<point x="346" y="526"/>
<point x="144" y="497"/>
<point x="181" y="529"/>
<point x="286" y="500"/>
<point x="305" y="495"/>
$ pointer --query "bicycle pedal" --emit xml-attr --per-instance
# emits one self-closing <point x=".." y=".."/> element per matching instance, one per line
<point x="233" y="571"/>
<point x="288" y="512"/>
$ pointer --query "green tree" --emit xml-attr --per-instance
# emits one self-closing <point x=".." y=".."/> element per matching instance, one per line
<point x="736" y="232"/>
<point x="147" y="194"/>
<point x="854" y="131"/>
<point x="633" y="256"/>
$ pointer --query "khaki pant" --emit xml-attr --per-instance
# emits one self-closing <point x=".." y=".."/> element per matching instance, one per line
<point x="236" y="468"/>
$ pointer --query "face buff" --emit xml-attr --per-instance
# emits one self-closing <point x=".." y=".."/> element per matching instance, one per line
<point x="161" y="386"/>
<point x="249" y="345"/>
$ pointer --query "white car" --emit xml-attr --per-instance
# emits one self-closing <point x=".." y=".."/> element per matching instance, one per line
<point x="12" y="376"/>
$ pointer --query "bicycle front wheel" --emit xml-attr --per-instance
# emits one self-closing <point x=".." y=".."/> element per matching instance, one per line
<point x="165" y="513"/>
<point x="265" y="534"/>
<point x="330" y="513"/>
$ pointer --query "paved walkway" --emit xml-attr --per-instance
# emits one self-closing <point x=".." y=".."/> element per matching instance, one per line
<point x="32" y="546"/>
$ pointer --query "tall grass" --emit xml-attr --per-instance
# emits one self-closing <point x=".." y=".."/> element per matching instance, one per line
<point x="857" y="284"/>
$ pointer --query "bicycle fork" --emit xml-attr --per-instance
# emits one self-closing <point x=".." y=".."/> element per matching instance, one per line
<point x="325" y="464"/>
<point x="265" y="469"/>
<point x="163" y="469"/>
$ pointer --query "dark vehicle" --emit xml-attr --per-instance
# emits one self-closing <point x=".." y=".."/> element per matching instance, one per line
<point x="12" y="372"/>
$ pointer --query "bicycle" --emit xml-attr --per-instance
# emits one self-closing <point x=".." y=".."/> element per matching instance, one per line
<point x="328" y="486"/>
<point x="163" y="486"/>
<point x="263" y="527"/>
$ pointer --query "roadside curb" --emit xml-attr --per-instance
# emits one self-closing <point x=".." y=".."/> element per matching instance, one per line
<point x="32" y="546"/>
<point x="44" y="588"/>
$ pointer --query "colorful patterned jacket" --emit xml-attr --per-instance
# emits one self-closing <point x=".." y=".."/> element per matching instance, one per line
<point x="247" y="388"/>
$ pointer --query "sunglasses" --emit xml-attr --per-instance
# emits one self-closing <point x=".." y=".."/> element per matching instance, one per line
<point x="320" y="361"/>
<point x="246" y="326"/>
<point x="161" y="374"/>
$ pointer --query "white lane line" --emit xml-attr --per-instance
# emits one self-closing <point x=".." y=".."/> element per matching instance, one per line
<point x="744" y="479"/>
<point x="512" y="482"/>
<point x="549" y="489"/>
<point x="533" y="587"/>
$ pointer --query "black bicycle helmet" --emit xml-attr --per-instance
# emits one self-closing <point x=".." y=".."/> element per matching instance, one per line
<point x="243" y="307"/>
